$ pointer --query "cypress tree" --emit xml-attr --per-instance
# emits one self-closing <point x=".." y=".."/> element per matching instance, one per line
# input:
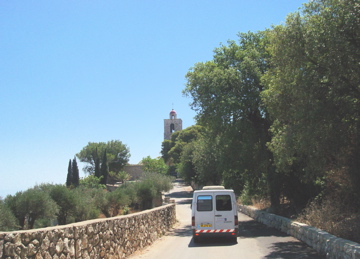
<point x="97" y="164"/>
<point x="104" y="169"/>
<point x="97" y="168"/>
<point x="69" y="177"/>
<point x="75" y="173"/>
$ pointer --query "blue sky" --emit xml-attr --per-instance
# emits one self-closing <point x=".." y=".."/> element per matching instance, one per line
<point x="73" y="72"/>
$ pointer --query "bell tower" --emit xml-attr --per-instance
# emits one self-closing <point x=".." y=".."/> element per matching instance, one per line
<point x="172" y="124"/>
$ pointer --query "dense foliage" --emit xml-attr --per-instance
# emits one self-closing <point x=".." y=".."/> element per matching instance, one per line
<point x="177" y="152"/>
<point x="314" y="96"/>
<point x="279" y="112"/>
<point x="226" y="95"/>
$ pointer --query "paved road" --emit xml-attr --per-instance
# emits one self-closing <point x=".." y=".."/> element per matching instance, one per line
<point x="255" y="240"/>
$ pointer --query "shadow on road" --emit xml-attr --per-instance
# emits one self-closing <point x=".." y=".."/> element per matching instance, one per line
<point x="212" y="242"/>
<point x="181" y="232"/>
<point x="205" y="241"/>
<point x="177" y="195"/>
<point x="287" y="249"/>
<point x="187" y="201"/>
<point x="290" y="250"/>
<point x="252" y="229"/>
<point x="185" y="197"/>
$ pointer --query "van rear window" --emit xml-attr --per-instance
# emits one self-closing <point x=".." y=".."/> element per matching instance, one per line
<point x="204" y="203"/>
<point x="223" y="203"/>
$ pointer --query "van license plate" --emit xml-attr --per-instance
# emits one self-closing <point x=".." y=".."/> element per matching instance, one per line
<point x="205" y="225"/>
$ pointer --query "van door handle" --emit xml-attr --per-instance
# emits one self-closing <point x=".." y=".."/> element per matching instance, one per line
<point x="218" y="215"/>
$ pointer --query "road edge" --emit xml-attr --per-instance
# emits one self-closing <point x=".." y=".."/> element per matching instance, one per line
<point x="323" y="242"/>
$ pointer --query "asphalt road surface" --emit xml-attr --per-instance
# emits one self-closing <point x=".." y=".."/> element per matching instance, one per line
<point x="255" y="240"/>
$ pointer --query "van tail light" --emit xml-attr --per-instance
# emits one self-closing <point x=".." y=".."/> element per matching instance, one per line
<point x="236" y="221"/>
<point x="193" y="221"/>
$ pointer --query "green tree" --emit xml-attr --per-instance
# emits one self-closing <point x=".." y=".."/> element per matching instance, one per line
<point x="75" y="173"/>
<point x="7" y="218"/>
<point x="225" y="94"/>
<point x="186" y="168"/>
<point x="181" y="138"/>
<point x="12" y="201"/>
<point x="69" y="178"/>
<point x="104" y="169"/>
<point x="97" y="170"/>
<point x="165" y="148"/>
<point x="154" y="165"/>
<point x="314" y="96"/>
<point x="117" y="155"/>
<point x="86" y="203"/>
<point x="31" y="205"/>
<point x="205" y="160"/>
<point x="65" y="200"/>
<point x="172" y="149"/>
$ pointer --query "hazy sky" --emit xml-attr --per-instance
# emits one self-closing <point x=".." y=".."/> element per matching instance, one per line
<point x="73" y="72"/>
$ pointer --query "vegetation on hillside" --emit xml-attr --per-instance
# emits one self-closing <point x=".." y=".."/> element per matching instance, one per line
<point x="55" y="204"/>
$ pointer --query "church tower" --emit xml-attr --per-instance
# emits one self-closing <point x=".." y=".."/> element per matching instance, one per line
<point x="172" y="124"/>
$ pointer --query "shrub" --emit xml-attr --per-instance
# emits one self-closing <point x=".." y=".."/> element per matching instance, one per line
<point x="11" y="202"/>
<point x="116" y="200"/>
<point x="110" y="203"/>
<point x="149" y="187"/>
<point x="7" y="218"/>
<point x="126" y="210"/>
<point x="85" y="204"/>
<point x="92" y="182"/>
<point x="130" y="190"/>
<point x="65" y="199"/>
<point x="145" y="192"/>
<point x="100" y="201"/>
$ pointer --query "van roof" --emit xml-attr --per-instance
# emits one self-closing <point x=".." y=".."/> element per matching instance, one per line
<point x="214" y="191"/>
<point x="214" y="187"/>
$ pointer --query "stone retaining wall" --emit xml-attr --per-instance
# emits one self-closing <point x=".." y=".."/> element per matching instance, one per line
<point x="323" y="242"/>
<point x="116" y="237"/>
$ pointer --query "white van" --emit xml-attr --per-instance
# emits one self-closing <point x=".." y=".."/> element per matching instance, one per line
<point x="214" y="213"/>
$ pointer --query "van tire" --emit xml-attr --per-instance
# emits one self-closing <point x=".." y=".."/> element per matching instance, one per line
<point x="196" y="239"/>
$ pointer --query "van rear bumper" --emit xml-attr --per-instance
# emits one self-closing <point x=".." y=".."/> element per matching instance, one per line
<point x="215" y="232"/>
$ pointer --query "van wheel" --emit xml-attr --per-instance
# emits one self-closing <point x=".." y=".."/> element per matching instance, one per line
<point x="234" y="240"/>
<point x="196" y="239"/>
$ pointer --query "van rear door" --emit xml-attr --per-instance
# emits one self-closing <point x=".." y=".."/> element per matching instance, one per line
<point x="224" y="211"/>
<point x="205" y="211"/>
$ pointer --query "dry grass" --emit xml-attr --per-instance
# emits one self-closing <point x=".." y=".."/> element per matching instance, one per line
<point x="330" y="215"/>
<point x="333" y="217"/>
<point x="260" y="204"/>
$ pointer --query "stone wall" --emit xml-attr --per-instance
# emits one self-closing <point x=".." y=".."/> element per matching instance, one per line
<point x="116" y="237"/>
<point x="323" y="242"/>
